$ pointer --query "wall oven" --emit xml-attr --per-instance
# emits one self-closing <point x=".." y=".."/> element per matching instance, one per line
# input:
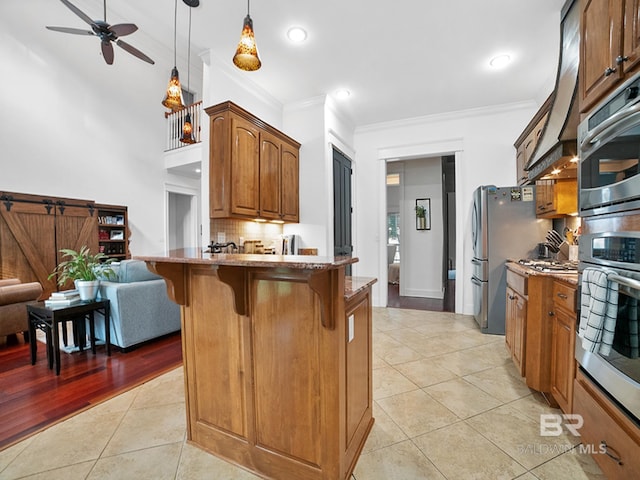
<point x="609" y="140"/>
<point x="618" y="371"/>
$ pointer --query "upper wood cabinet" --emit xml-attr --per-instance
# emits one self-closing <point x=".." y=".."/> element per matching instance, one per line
<point x="253" y="168"/>
<point x="556" y="198"/>
<point x="528" y="140"/>
<point x="609" y="46"/>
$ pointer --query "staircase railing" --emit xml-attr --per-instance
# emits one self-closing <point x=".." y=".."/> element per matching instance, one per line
<point x="175" y="120"/>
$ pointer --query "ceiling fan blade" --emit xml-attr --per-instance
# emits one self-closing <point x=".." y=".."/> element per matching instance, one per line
<point x="123" y="29"/>
<point x="107" y="51"/>
<point x="75" y="31"/>
<point x="134" y="51"/>
<point x="78" y="12"/>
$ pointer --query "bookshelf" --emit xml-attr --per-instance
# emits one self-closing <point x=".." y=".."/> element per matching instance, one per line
<point x="113" y="231"/>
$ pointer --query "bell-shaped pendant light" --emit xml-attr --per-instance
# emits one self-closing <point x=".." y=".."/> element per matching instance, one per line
<point x="173" y="98"/>
<point x="187" y="130"/>
<point x="246" y="57"/>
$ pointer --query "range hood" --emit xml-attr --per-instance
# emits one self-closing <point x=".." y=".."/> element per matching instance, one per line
<point x="557" y="144"/>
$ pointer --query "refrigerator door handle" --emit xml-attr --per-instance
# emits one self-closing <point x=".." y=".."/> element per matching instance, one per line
<point x="475" y="281"/>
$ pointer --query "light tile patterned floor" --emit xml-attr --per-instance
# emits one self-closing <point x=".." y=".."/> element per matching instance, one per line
<point x="448" y="404"/>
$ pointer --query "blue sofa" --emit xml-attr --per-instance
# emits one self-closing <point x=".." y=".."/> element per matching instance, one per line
<point x="140" y="307"/>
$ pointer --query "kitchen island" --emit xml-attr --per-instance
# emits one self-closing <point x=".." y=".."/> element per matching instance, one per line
<point x="277" y="359"/>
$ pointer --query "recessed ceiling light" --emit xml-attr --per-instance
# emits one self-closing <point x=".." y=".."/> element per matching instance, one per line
<point x="342" y="94"/>
<point x="500" y="61"/>
<point x="297" y="34"/>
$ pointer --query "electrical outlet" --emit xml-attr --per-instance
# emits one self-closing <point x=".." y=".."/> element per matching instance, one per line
<point x="222" y="237"/>
<point x="351" y="327"/>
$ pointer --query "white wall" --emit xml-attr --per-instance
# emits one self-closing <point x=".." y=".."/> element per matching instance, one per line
<point x="421" y="250"/>
<point x="73" y="126"/>
<point x="483" y="142"/>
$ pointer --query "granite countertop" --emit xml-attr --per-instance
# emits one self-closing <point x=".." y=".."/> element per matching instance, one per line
<point x="196" y="256"/>
<point x="354" y="285"/>
<point x="568" y="277"/>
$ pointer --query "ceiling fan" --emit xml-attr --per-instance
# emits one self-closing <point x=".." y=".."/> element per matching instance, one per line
<point x="107" y="33"/>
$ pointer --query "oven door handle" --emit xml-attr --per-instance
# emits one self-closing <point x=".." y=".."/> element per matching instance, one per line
<point x="628" y="282"/>
<point x="609" y="123"/>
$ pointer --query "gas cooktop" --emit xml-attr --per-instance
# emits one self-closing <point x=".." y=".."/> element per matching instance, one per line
<point x="564" y="266"/>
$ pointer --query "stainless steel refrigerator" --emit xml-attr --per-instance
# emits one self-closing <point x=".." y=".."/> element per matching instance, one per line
<point x="504" y="226"/>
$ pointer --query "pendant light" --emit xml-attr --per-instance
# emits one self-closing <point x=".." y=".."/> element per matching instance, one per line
<point x="246" y="57"/>
<point x="173" y="98"/>
<point x="187" y="128"/>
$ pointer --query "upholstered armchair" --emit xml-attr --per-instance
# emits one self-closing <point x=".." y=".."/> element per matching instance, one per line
<point x="14" y="296"/>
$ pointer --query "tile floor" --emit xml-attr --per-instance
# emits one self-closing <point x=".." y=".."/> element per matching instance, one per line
<point x="448" y="404"/>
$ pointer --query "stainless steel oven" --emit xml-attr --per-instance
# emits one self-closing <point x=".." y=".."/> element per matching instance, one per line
<point x="618" y="370"/>
<point x="609" y="140"/>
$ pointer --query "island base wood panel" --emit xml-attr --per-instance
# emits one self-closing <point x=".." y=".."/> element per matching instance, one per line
<point x="280" y="390"/>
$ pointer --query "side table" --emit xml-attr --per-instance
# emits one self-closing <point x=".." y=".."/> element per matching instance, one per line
<point x="47" y="319"/>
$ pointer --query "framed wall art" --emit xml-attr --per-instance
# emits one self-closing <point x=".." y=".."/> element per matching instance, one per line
<point x="423" y="213"/>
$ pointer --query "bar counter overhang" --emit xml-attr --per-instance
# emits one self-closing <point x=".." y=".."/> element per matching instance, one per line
<point x="277" y="358"/>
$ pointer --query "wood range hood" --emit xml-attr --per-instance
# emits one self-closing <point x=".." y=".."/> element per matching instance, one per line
<point x="558" y="145"/>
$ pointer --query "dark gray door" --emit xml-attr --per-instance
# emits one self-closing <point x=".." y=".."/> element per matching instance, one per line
<point x="341" y="205"/>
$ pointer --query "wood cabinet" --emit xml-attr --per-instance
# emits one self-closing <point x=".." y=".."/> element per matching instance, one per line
<point x="556" y="198"/>
<point x="113" y="231"/>
<point x="253" y="168"/>
<point x="515" y="328"/>
<point x="33" y="230"/>
<point x="563" y="363"/>
<point x="529" y="326"/>
<point x="528" y="140"/>
<point x="278" y="362"/>
<point x="611" y="437"/>
<point x="609" y="46"/>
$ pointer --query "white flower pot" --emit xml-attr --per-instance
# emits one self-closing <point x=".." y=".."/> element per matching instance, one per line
<point x="88" y="289"/>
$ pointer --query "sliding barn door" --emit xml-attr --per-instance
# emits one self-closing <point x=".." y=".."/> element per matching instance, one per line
<point x="32" y="231"/>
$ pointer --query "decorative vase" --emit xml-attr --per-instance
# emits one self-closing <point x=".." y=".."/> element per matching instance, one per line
<point x="88" y="289"/>
<point x="422" y="223"/>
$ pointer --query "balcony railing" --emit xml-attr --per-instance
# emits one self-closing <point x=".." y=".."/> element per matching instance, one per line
<point x="175" y="120"/>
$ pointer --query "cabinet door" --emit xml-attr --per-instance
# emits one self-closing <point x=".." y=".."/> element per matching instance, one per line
<point x="219" y="166"/>
<point x="562" y="359"/>
<point x="519" y="333"/>
<point x="515" y="328"/>
<point x="245" y="167"/>
<point x="270" y="155"/>
<point x="600" y="45"/>
<point x="631" y="50"/>
<point x="290" y="183"/>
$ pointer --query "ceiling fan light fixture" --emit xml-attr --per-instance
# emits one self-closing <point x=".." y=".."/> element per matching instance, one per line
<point x="173" y="98"/>
<point x="246" y="57"/>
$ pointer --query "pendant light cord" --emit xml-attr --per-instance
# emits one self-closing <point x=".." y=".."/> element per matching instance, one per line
<point x="248" y="6"/>
<point x="189" y="56"/>
<point x="175" y="28"/>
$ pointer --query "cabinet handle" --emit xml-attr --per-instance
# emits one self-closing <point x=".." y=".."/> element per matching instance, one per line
<point x="615" y="455"/>
<point x="551" y="314"/>
<point x="562" y="296"/>
<point x="620" y="59"/>
<point x="511" y="297"/>
<point x="609" y="70"/>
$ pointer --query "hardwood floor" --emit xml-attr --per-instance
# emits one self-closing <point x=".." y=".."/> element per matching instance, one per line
<point x="33" y="397"/>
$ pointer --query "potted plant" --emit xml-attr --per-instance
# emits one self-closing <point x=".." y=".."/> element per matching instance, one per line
<point x="84" y="269"/>
<point x="421" y="215"/>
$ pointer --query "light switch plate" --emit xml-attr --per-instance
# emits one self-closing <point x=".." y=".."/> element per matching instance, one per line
<point x="222" y="237"/>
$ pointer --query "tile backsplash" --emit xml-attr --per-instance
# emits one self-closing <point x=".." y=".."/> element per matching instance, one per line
<point x="234" y="230"/>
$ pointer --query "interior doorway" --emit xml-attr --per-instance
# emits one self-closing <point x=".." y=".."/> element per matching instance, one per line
<point x="182" y="219"/>
<point x="421" y="261"/>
